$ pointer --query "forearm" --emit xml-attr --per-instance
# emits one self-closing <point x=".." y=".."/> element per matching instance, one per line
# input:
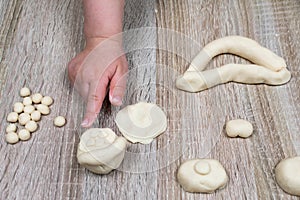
<point x="103" y="18"/>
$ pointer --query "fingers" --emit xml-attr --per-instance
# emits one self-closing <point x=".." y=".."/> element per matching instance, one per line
<point x="95" y="98"/>
<point x="118" y="84"/>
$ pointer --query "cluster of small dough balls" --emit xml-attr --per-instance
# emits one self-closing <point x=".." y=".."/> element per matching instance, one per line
<point x="27" y="114"/>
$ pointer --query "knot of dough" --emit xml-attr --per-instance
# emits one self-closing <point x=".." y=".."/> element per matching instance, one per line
<point x="100" y="150"/>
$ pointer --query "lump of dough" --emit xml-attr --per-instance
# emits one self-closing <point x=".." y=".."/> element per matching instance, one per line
<point x="287" y="173"/>
<point x="141" y="122"/>
<point x="101" y="150"/>
<point x="239" y="127"/>
<point x="202" y="175"/>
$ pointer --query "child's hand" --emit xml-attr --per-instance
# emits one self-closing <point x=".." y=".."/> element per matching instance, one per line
<point x="101" y="64"/>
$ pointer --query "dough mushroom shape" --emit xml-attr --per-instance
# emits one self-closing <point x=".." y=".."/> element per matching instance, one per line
<point x="202" y="175"/>
<point x="141" y="122"/>
<point x="101" y="150"/>
<point x="269" y="68"/>
<point x="287" y="173"/>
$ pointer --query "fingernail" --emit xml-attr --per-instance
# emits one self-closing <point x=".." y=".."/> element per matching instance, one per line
<point x="85" y="122"/>
<point x="117" y="100"/>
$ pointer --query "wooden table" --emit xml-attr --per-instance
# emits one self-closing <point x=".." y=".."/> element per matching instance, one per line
<point x="38" y="38"/>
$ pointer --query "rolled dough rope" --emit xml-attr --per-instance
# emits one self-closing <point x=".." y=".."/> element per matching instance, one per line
<point x="241" y="46"/>
<point x="195" y="81"/>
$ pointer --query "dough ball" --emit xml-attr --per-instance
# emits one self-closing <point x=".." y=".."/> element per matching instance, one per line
<point x="27" y="101"/>
<point x="239" y="127"/>
<point x="24" y="92"/>
<point x="37" y="98"/>
<point x="31" y="126"/>
<point x="287" y="173"/>
<point x="29" y="109"/>
<point x="18" y="107"/>
<point x="24" y="134"/>
<point x="12" y="117"/>
<point x="36" y="116"/>
<point x="202" y="175"/>
<point x="101" y="150"/>
<point x="24" y="118"/>
<point x="11" y="138"/>
<point x="45" y="110"/>
<point x="59" y="121"/>
<point x="47" y="101"/>
<point x="11" y="128"/>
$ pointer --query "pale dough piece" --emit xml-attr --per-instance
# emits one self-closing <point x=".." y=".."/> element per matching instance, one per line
<point x="239" y="127"/>
<point x="35" y="115"/>
<point x="141" y="122"/>
<point x="24" y="134"/>
<point x="59" y="121"/>
<point x="11" y="138"/>
<point x="18" y="107"/>
<point x="27" y="101"/>
<point x="29" y="109"/>
<point x="31" y="126"/>
<point x="24" y="92"/>
<point x="202" y="175"/>
<point x="101" y="150"/>
<point x="268" y="67"/>
<point x="11" y="128"/>
<point x="12" y="117"/>
<point x="287" y="173"/>
<point x="45" y="110"/>
<point x="24" y="118"/>
<point x="37" y="98"/>
<point x="47" y="100"/>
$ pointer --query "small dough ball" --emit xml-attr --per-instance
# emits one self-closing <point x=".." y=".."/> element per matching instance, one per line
<point x="35" y="116"/>
<point x="59" y="121"/>
<point x="12" y="117"/>
<point x="47" y="100"/>
<point x="11" y="138"/>
<point x="29" y="109"/>
<point x="202" y="175"/>
<point x="24" y="92"/>
<point x="239" y="127"/>
<point x="37" y="98"/>
<point x="27" y="101"/>
<point x="24" y="134"/>
<point x="45" y="110"/>
<point x="24" y="118"/>
<point x="31" y="126"/>
<point x="11" y="128"/>
<point x="287" y="173"/>
<point x="18" y="107"/>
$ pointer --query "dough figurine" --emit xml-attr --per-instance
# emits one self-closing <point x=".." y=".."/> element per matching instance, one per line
<point x="101" y="150"/>
<point x="202" y="175"/>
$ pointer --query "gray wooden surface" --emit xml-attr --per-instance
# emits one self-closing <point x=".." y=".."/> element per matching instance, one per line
<point x="38" y="38"/>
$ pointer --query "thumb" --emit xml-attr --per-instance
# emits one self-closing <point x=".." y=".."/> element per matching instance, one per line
<point x="95" y="99"/>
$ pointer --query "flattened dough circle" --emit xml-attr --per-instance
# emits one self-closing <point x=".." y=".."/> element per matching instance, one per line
<point x="141" y="122"/>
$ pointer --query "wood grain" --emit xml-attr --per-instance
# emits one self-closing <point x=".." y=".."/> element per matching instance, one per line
<point x="38" y="38"/>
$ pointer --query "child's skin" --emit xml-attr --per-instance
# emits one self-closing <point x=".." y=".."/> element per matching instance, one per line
<point x="102" y="20"/>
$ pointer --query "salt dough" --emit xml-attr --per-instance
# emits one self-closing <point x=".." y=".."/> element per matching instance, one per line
<point x="239" y="127"/>
<point x="202" y="175"/>
<point x="141" y="122"/>
<point x="268" y="68"/>
<point x="287" y="173"/>
<point x="101" y="150"/>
